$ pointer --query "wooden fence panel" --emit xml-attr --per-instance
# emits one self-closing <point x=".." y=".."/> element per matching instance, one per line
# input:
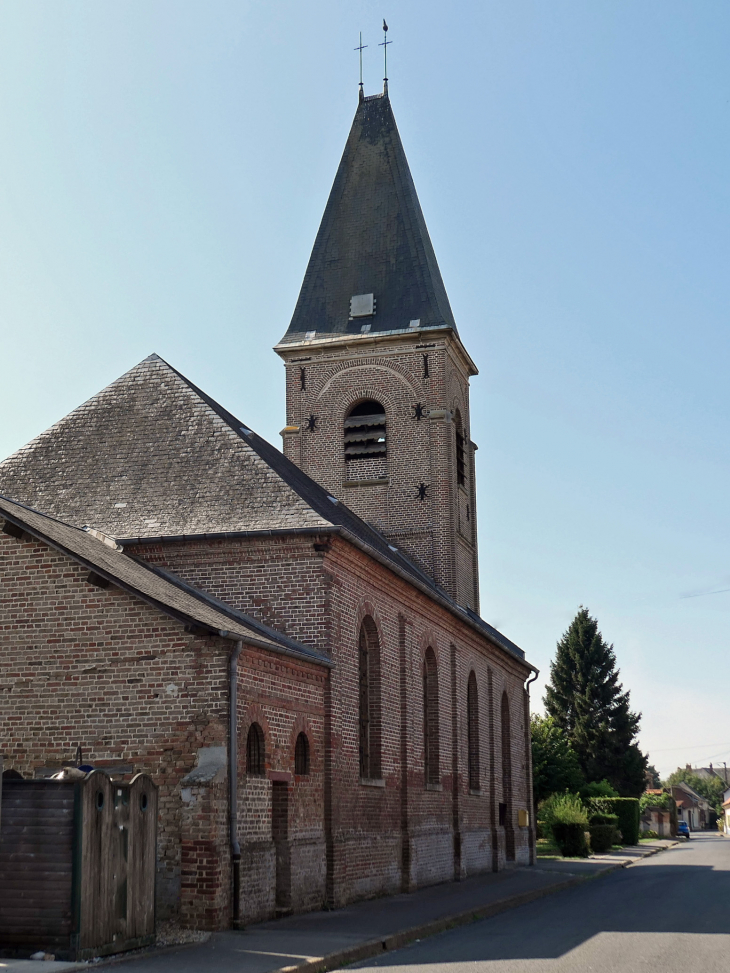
<point x="36" y="863"/>
<point x="142" y="857"/>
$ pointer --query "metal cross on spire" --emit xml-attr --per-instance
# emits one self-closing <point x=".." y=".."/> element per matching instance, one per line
<point x="361" y="48"/>
<point x="384" y="45"/>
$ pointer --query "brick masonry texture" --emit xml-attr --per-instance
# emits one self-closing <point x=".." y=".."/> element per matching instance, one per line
<point x="373" y="829"/>
<point x="439" y="531"/>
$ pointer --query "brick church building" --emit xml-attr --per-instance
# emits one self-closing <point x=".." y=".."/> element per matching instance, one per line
<point x="288" y="642"/>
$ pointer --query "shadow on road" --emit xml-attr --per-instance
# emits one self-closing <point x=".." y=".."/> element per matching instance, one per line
<point x="668" y="894"/>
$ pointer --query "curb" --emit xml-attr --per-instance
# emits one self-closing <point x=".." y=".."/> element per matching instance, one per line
<point x="376" y="947"/>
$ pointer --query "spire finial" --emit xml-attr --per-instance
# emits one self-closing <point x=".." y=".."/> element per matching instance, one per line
<point x="384" y="45"/>
<point x="361" y="47"/>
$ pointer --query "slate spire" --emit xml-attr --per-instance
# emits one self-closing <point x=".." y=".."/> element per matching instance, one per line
<point x="372" y="240"/>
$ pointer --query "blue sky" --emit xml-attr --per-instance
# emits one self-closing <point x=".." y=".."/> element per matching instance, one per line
<point x="163" y="169"/>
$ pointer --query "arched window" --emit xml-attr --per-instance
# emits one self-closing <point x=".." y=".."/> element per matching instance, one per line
<point x="255" y="751"/>
<point x="365" y="435"/>
<point x="506" y="814"/>
<point x="369" y="690"/>
<point x="431" y="718"/>
<point x="472" y="729"/>
<point x="301" y="755"/>
<point x="460" y="450"/>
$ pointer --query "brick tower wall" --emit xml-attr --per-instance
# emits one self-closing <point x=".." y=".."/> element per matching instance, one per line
<point x="410" y="376"/>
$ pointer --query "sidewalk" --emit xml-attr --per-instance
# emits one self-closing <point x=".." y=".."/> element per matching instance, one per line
<point x="317" y="941"/>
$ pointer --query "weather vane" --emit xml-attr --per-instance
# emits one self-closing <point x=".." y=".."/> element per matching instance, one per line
<point x="384" y="45"/>
<point x="361" y="48"/>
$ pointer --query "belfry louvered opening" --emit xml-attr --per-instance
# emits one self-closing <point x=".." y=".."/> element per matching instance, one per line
<point x="365" y="431"/>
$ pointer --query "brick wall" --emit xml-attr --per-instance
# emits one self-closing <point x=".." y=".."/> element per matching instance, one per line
<point x="420" y="450"/>
<point x="382" y="838"/>
<point x="101" y="669"/>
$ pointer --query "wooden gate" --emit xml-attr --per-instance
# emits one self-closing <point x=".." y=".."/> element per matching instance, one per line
<point x="77" y="865"/>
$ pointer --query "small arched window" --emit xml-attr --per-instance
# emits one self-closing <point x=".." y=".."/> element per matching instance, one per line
<point x="365" y="432"/>
<point x="431" y="718"/>
<point x="255" y="751"/>
<point x="460" y="450"/>
<point x="369" y="692"/>
<point x="472" y="729"/>
<point x="301" y="755"/>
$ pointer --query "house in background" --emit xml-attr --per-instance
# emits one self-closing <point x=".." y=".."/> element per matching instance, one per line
<point x="692" y="808"/>
<point x="726" y="812"/>
<point x="657" y="817"/>
<point x="708" y="773"/>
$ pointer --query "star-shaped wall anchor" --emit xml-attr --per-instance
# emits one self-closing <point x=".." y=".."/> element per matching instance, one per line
<point x="422" y="491"/>
<point x="312" y="423"/>
<point x="418" y="411"/>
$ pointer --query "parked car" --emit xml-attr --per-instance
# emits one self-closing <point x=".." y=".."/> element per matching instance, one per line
<point x="683" y="829"/>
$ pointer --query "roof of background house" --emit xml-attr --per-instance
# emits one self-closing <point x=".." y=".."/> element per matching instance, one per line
<point x="708" y="772"/>
<point x="372" y="240"/>
<point x="160" y="589"/>
<point x="690" y="792"/>
<point x="153" y="457"/>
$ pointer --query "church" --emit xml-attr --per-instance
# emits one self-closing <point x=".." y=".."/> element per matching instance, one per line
<point x="287" y="641"/>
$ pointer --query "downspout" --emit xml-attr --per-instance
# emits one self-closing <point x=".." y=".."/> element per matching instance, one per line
<point x="528" y="768"/>
<point x="233" y="781"/>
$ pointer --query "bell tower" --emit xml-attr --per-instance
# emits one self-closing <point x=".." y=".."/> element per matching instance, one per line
<point x="377" y="379"/>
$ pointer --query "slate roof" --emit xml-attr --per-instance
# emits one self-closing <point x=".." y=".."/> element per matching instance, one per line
<point x="153" y="457"/>
<point x="372" y="239"/>
<point x="161" y="589"/>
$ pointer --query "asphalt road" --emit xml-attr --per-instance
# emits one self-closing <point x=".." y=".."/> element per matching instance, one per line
<point x="669" y="914"/>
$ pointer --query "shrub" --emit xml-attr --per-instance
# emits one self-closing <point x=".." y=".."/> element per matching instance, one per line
<point x="596" y="817"/>
<point x="547" y="809"/>
<point x="597" y="788"/>
<point x="570" y="837"/>
<point x="649" y="833"/>
<point x="603" y="837"/>
<point x="569" y="823"/>
<point x="627" y="809"/>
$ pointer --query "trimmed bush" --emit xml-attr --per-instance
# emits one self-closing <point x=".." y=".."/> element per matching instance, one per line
<point x="603" y="837"/>
<point x="627" y="810"/>
<point x="597" y="818"/>
<point x="556" y="807"/>
<point x="570" y="837"/>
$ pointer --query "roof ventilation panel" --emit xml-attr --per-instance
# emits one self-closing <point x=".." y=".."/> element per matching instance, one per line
<point x="362" y="306"/>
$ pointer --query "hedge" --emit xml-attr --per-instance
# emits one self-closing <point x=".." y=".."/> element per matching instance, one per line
<point x="570" y="837"/>
<point x="603" y="837"/>
<point x="627" y="811"/>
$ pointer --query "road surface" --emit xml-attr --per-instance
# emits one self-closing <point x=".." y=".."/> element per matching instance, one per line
<point x="666" y="914"/>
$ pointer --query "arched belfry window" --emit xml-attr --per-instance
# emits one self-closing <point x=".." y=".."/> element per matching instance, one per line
<point x="431" y="718"/>
<point x="369" y="691"/>
<point x="255" y="751"/>
<point x="460" y="450"/>
<point x="365" y="432"/>
<point x="472" y="729"/>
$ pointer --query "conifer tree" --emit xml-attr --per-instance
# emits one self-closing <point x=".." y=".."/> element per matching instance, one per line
<point x="587" y="701"/>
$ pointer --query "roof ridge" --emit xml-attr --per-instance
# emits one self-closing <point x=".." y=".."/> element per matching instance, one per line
<point x="327" y="507"/>
<point x="103" y="561"/>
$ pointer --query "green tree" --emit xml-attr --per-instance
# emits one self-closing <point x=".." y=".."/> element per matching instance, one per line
<point x="587" y="701"/>
<point x="653" y="779"/>
<point x="711" y="788"/>
<point x="554" y="764"/>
